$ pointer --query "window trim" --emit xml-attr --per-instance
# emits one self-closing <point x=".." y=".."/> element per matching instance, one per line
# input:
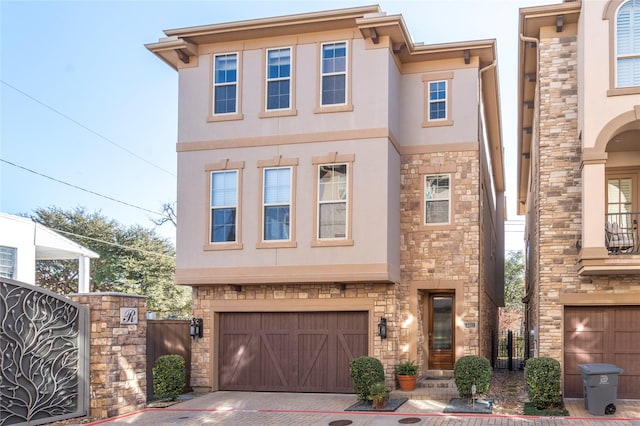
<point x="610" y="14"/>
<point x="222" y="166"/>
<point x="237" y="115"/>
<point x="277" y="162"/>
<point x="450" y="221"/>
<point x="282" y="112"/>
<point x="333" y="158"/>
<point x="347" y="105"/>
<point x="427" y="79"/>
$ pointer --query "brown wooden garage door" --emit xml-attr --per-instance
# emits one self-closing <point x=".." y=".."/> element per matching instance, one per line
<point x="608" y="335"/>
<point x="290" y="351"/>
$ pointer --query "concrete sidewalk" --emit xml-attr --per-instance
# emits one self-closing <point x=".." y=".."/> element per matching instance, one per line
<point x="282" y="409"/>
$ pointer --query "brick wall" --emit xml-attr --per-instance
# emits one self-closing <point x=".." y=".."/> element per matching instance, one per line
<point x="118" y="359"/>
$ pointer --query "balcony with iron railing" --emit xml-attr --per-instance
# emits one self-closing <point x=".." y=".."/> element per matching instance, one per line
<point x="620" y="253"/>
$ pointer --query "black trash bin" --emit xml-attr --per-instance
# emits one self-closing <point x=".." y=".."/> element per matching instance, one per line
<point x="600" y="387"/>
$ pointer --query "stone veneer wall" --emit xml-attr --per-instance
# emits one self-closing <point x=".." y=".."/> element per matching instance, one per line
<point x="437" y="257"/>
<point x="559" y="197"/>
<point x="118" y="354"/>
<point x="383" y="296"/>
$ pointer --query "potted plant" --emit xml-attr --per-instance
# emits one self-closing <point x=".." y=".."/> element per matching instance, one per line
<point x="379" y="395"/>
<point x="407" y="375"/>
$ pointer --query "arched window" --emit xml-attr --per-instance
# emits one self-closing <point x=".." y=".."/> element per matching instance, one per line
<point x="628" y="44"/>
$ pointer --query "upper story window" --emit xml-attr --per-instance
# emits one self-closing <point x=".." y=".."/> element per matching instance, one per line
<point x="276" y="199"/>
<point x="333" y="85"/>
<point x="7" y="262"/>
<point x="628" y="44"/>
<point x="224" y="206"/>
<point x="437" y="100"/>
<point x="437" y="196"/>
<point x="332" y="201"/>
<point x="437" y="95"/>
<point x="278" y="79"/>
<point x="225" y="90"/>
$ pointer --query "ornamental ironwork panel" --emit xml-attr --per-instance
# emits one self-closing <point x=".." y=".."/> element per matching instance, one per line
<point x="44" y="366"/>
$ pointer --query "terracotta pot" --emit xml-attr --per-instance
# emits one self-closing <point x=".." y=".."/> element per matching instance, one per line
<point x="407" y="383"/>
<point x="379" y="402"/>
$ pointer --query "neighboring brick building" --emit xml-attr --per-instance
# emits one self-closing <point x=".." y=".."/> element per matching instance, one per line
<point x="579" y="161"/>
<point x="332" y="173"/>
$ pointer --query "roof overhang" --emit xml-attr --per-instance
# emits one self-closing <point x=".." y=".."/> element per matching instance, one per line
<point x="531" y="20"/>
<point x="52" y="246"/>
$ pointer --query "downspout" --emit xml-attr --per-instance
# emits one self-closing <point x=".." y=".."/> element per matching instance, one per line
<point x="535" y="332"/>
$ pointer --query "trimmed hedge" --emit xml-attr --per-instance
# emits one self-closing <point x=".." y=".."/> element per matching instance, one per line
<point x="364" y="372"/>
<point x="169" y="377"/>
<point x="542" y="376"/>
<point x="470" y="370"/>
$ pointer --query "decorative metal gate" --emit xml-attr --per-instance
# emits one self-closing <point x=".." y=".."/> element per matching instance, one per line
<point x="44" y="369"/>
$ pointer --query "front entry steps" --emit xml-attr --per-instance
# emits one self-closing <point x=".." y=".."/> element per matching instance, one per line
<point x="435" y="385"/>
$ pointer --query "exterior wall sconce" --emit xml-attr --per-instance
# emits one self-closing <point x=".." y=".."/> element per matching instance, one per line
<point x="382" y="328"/>
<point x="195" y="328"/>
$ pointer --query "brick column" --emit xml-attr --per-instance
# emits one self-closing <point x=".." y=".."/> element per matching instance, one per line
<point x="118" y="363"/>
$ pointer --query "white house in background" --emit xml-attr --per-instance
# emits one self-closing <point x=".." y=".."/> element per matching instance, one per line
<point x="23" y="241"/>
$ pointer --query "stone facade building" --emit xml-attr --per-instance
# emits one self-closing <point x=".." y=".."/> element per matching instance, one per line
<point x="334" y="175"/>
<point x="578" y="187"/>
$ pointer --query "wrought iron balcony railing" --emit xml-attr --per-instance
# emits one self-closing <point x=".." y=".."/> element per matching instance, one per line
<point x="621" y="233"/>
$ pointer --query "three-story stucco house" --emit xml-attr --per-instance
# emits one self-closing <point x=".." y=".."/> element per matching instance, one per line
<point x="579" y="164"/>
<point x="334" y="175"/>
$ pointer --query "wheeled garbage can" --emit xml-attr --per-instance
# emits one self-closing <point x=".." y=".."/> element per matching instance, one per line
<point x="600" y="387"/>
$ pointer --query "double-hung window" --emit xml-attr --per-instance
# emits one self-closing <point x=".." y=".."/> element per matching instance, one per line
<point x="332" y="201"/>
<point x="278" y="79"/>
<point x="7" y="262"/>
<point x="437" y="100"/>
<point x="224" y="206"/>
<point x="333" y="84"/>
<point x="276" y="199"/>
<point x="225" y="87"/>
<point x="628" y="44"/>
<point x="437" y="198"/>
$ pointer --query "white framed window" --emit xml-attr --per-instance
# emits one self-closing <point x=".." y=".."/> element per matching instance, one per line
<point x="437" y="199"/>
<point x="628" y="44"/>
<point x="225" y="84"/>
<point x="333" y="82"/>
<point x="224" y="206"/>
<point x="8" y="262"/>
<point x="276" y="200"/>
<point x="278" y="90"/>
<point x="333" y="196"/>
<point x="438" y="100"/>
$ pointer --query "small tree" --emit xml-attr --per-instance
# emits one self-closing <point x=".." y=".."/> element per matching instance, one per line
<point x="365" y="371"/>
<point x="169" y="377"/>
<point x="543" y="382"/>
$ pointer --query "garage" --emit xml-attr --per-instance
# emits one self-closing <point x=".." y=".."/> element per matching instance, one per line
<point x="602" y="334"/>
<point x="290" y="351"/>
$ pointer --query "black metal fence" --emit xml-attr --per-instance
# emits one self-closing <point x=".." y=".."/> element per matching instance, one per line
<point x="510" y="351"/>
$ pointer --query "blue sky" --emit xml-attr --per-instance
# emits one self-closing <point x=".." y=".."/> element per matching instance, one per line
<point x="84" y="102"/>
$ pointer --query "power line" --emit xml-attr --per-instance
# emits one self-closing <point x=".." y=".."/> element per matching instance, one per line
<point x="87" y="128"/>
<point x="81" y="189"/>
<point x="114" y="244"/>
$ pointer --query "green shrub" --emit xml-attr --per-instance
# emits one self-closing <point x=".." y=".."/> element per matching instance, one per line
<point x="364" y="372"/>
<point x="472" y="370"/>
<point x="407" y="368"/>
<point x="169" y="377"/>
<point x="542" y="376"/>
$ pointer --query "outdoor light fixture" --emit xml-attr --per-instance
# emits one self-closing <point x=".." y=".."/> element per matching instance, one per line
<point x="195" y="328"/>
<point x="382" y="328"/>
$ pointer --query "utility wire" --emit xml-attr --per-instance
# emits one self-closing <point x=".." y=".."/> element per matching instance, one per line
<point x="114" y="244"/>
<point x="81" y="189"/>
<point x="87" y="128"/>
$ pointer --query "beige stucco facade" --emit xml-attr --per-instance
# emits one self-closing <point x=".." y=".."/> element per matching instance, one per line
<point x="577" y="131"/>
<point x="390" y="260"/>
